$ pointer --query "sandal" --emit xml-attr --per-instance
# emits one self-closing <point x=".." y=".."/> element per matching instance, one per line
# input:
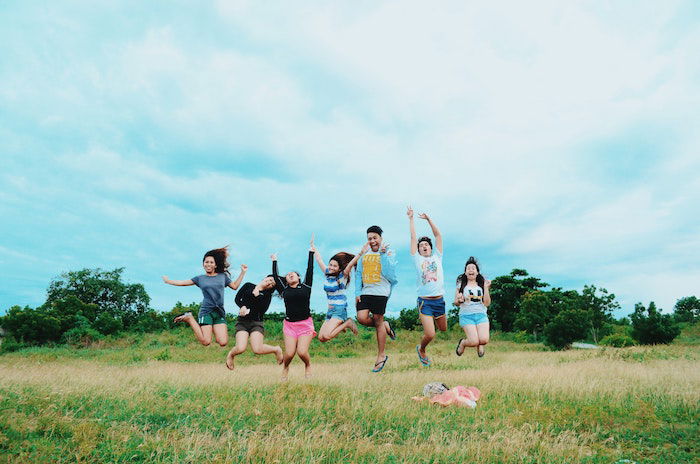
<point x="392" y="334"/>
<point x="382" y="363"/>
<point x="425" y="361"/>
<point x="183" y="316"/>
<point x="459" y="343"/>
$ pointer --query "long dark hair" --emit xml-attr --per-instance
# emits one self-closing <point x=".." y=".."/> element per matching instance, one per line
<point x="343" y="259"/>
<point x="462" y="278"/>
<point x="219" y="255"/>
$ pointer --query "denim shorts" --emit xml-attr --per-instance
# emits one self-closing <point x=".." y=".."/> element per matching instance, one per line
<point x="472" y="318"/>
<point x="434" y="308"/>
<point x="337" y="311"/>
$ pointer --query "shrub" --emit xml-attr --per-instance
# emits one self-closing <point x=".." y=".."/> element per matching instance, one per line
<point x="617" y="340"/>
<point x="81" y="336"/>
<point x="566" y="327"/>
<point x="9" y="345"/>
<point x="408" y="319"/>
<point x="650" y="327"/>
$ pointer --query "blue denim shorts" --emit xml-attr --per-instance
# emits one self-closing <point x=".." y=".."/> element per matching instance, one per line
<point x="434" y="308"/>
<point x="337" y="311"/>
<point x="472" y="319"/>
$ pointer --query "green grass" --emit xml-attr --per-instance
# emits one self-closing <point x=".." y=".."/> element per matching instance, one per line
<point x="163" y="398"/>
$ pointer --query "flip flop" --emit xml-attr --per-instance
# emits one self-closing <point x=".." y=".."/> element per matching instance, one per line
<point x="175" y="321"/>
<point x="423" y="360"/>
<point x="459" y="343"/>
<point x="392" y="334"/>
<point x="383" y="363"/>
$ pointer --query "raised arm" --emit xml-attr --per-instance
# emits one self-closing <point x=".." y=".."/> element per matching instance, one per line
<point x="237" y="283"/>
<point x="414" y="242"/>
<point x="436" y="231"/>
<point x="279" y="282"/>
<point x="178" y="283"/>
<point x="354" y="260"/>
<point x="309" y="278"/>
<point x="487" y="296"/>
<point x="459" y="297"/>
<point x="319" y="260"/>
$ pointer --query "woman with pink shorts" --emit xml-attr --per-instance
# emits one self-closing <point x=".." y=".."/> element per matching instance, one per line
<point x="298" y="327"/>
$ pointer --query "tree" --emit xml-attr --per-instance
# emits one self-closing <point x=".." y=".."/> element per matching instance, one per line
<point x="535" y="312"/>
<point x="650" y="327"/>
<point x="566" y="327"/>
<point x="687" y="309"/>
<point x="600" y="308"/>
<point x="506" y="292"/>
<point x="104" y="289"/>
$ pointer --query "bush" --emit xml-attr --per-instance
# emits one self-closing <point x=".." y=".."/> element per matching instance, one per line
<point x="81" y="336"/>
<point x="408" y="319"/>
<point x="9" y="345"/>
<point x="617" y="340"/>
<point x="566" y="327"/>
<point x="650" y="327"/>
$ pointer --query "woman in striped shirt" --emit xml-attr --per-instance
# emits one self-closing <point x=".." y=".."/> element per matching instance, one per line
<point x="337" y="278"/>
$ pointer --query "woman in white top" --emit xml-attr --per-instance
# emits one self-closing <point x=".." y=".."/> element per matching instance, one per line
<point x="472" y="296"/>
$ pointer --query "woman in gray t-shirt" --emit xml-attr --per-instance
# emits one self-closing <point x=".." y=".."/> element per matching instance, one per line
<point x="212" y="315"/>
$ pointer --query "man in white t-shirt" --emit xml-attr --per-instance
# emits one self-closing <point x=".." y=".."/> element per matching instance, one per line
<point x="430" y="284"/>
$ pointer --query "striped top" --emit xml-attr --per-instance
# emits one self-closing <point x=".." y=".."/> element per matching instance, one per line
<point x="335" y="287"/>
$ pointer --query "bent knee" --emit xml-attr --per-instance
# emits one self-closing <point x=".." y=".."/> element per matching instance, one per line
<point x="483" y="341"/>
<point x="205" y="342"/>
<point x="258" y="350"/>
<point x="472" y="343"/>
<point x="224" y="343"/>
<point x="323" y="338"/>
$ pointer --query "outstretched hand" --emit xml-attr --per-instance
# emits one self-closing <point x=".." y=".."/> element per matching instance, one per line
<point x="312" y="247"/>
<point x="424" y="216"/>
<point x="165" y="279"/>
<point x="409" y="212"/>
<point x="244" y="267"/>
<point x="273" y="256"/>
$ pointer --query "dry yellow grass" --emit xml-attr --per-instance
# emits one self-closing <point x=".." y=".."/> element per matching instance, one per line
<point x="537" y="407"/>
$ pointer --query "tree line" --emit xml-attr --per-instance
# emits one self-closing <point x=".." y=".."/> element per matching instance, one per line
<point x="83" y="306"/>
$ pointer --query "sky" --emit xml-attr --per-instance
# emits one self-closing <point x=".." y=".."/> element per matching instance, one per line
<point x="558" y="137"/>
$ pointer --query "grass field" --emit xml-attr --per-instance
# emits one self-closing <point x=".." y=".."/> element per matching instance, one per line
<point x="162" y="398"/>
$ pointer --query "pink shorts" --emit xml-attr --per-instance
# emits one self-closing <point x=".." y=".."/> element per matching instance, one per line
<point x="299" y="328"/>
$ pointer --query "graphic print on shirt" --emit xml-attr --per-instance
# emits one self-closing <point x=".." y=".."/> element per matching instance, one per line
<point x="371" y="269"/>
<point x="473" y="294"/>
<point x="429" y="271"/>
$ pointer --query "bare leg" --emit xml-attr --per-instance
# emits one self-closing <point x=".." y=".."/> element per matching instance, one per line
<point x="328" y="329"/>
<point x="241" y="344"/>
<point x="203" y="338"/>
<point x="428" y="333"/>
<point x="303" y="353"/>
<point x="380" y="325"/>
<point x="290" y="349"/>
<point x="365" y="318"/>
<point x="221" y="334"/>
<point x="483" y="335"/>
<point x="441" y="323"/>
<point x="472" y="339"/>
<point x="256" y="343"/>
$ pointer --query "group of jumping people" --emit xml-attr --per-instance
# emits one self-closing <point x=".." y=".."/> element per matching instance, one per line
<point x="375" y="277"/>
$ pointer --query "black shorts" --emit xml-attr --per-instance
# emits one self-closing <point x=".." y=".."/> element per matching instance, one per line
<point x="376" y="304"/>
<point x="249" y="326"/>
